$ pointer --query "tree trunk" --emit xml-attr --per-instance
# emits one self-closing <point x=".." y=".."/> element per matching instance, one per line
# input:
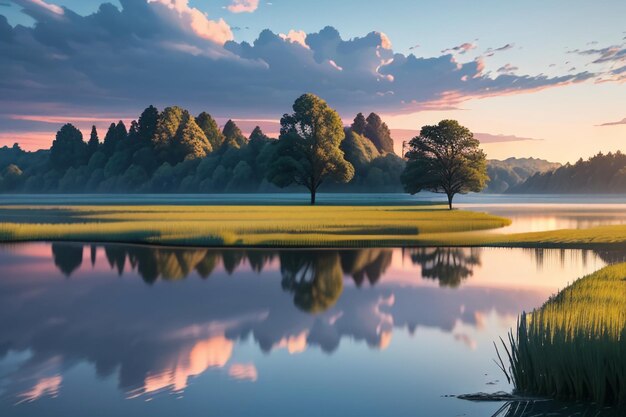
<point x="313" y="197"/>
<point x="450" y="196"/>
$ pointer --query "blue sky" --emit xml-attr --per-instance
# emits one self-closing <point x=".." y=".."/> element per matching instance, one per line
<point x="533" y="69"/>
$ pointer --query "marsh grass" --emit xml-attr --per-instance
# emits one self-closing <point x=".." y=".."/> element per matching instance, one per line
<point x="574" y="346"/>
<point x="349" y="226"/>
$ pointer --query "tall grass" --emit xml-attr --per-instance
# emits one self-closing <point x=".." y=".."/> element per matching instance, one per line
<point x="574" y="346"/>
<point x="359" y="226"/>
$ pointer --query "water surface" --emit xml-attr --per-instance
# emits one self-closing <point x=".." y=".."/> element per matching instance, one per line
<point x="103" y="330"/>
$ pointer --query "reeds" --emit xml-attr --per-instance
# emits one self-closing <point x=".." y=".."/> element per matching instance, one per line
<point x="574" y="346"/>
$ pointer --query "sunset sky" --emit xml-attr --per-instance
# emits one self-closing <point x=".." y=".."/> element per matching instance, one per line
<point x="531" y="78"/>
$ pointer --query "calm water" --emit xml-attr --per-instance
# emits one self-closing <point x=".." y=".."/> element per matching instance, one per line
<point x="123" y="330"/>
<point x="133" y="330"/>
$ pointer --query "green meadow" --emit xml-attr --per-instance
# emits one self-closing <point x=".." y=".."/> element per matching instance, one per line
<point x="280" y="226"/>
<point x="285" y="226"/>
<point x="574" y="346"/>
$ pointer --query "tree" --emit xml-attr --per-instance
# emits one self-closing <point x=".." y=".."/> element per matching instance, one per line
<point x="147" y="124"/>
<point x="167" y="126"/>
<point x="359" y="124"/>
<point x="378" y="132"/>
<point x="116" y="134"/>
<point x="233" y="136"/>
<point x="94" y="142"/>
<point x="308" y="148"/>
<point x="210" y="129"/>
<point x="445" y="158"/>
<point x="190" y="141"/>
<point x="68" y="149"/>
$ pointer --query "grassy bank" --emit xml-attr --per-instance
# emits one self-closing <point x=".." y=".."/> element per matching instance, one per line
<point x="345" y="226"/>
<point x="285" y="226"/>
<point x="574" y="346"/>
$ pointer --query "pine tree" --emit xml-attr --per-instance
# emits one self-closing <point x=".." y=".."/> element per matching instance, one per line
<point x="359" y="124"/>
<point x="210" y="129"/>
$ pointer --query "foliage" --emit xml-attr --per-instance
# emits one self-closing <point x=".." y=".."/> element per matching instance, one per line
<point x="599" y="174"/>
<point x="377" y="131"/>
<point x="210" y="129"/>
<point x="445" y="158"/>
<point x="308" y="151"/>
<point x="504" y="175"/>
<point x="233" y="136"/>
<point x="171" y="151"/>
<point x="68" y="149"/>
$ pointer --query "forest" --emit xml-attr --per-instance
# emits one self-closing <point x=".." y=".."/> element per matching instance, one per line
<point x="602" y="173"/>
<point x="173" y="151"/>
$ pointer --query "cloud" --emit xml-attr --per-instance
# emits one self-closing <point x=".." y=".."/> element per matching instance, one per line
<point x="619" y="122"/>
<point x="295" y="36"/>
<point x="37" y="7"/>
<point x="492" y="51"/>
<point x="507" y="69"/>
<point x="461" y="49"/>
<point x="243" y="6"/>
<point x="189" y="18"/>
<point x="614" y="53"/>
<point x="165" y="52"/>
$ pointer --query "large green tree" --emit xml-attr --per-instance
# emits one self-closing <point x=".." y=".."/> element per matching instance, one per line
<point x="68" y="149"/>
<point x="308" y="148"/>
<point x="445" y="158"/>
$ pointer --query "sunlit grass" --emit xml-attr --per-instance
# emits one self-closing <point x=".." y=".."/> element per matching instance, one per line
<point x="251" y="225"/>
<point x="574" y="346"/>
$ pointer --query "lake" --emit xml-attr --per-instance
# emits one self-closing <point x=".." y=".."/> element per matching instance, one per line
<point x="129" y="330"/>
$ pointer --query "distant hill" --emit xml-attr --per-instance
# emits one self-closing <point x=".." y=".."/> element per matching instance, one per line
<point x="512" y="172"/>
<point x="600" y="174"/>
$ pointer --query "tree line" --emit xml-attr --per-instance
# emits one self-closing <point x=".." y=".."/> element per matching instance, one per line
<point x="602" y="173"/>
<point x="173" y="151"/>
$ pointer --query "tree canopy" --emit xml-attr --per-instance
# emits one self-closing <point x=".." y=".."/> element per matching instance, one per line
<point x="173" y="151"/>
<point x="445" y="158"/>
<point x="308" y="151"/>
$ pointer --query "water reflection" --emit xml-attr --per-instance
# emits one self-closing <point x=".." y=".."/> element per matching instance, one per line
<point x="246" y="315"/>
<point x="449" y="266"/>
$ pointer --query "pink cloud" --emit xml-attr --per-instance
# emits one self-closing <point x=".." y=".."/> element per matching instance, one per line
<point x="243" y="6"/>
<point x="192" y="19"/>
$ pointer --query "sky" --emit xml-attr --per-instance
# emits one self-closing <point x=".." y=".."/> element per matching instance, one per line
<point x="531" y="79"/>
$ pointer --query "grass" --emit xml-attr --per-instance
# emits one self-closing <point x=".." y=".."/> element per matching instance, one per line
<point x="287" y="226"/>
<point x="574" y="346"/>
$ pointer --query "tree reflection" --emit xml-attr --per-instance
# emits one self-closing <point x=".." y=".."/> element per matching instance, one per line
<point x="314" y="277"/>
<point x="154" y="263"/>
<point x="450" y="266"/>
<point x="371" y="264"/>
<point x="67" y="257"/>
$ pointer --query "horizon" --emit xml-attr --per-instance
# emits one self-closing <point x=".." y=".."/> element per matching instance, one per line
<point x="556" y="93"/>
